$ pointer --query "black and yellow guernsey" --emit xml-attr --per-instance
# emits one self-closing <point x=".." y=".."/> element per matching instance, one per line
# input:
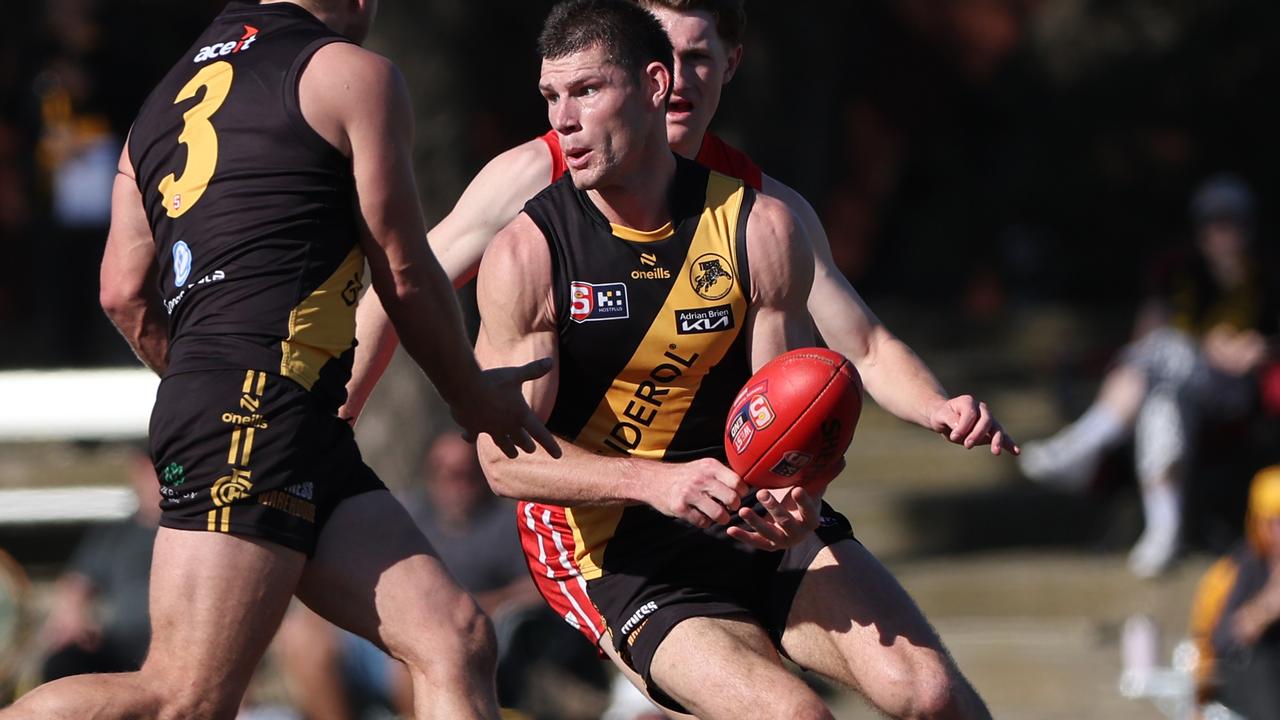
<point x="251" y="210"/>
<point x="651" y="342"/>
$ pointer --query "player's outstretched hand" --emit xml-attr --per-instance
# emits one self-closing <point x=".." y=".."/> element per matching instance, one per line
<point x="790" y="515"/>
<point x="965" y="421"/>
<point x="499" y="410"/>
<point x="701" y="492"/>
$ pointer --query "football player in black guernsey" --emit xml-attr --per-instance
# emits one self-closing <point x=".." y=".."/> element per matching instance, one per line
<point x="260" y="174"/>
<point x="657" y="287"/>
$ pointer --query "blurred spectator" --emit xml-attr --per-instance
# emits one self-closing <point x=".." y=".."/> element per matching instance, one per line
<point x="545" y="669"/>
<point x="98" y="618"/>
<point x="76" y="156"/>
<point x="1197" y="345"/>
<point x="1235" y="618"/>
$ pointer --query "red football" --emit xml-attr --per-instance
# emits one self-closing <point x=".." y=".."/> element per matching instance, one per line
<point x="794" y="419"/>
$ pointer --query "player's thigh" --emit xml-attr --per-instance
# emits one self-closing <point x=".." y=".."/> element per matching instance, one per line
<point x="725" y="667"/>
<point x="853" y="622"/>
<point x="216" y="601"/>
<point x="375" y="574"/>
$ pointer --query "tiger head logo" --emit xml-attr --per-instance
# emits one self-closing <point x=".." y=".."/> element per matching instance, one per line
<point x="710" y="276"/>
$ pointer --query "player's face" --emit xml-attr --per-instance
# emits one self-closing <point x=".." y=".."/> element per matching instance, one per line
<point x="457" y="483"/>
<point x="597" y="110"/>
<point x="703" y="64"/>
<point x="1224" y="242"/>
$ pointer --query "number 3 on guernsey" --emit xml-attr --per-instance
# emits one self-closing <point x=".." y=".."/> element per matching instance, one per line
<point x="181" y="193"/>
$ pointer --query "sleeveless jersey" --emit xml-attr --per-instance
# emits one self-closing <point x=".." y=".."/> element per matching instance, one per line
<point x="714" y="153"/>
<point x="251" y="210"/>
<point x="551" y="542"/>
<point x="651" y="344"/>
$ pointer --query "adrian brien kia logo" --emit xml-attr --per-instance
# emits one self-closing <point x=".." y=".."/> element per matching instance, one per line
<point x="590" y="302"/>
<point x="704" y="320"/>
<point x="209" y="52"/>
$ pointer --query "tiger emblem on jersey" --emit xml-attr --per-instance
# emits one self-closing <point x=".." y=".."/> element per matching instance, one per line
<point x="710" y="276"/>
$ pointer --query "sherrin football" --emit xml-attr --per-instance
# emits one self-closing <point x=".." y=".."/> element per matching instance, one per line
<point x="794" y="419"/>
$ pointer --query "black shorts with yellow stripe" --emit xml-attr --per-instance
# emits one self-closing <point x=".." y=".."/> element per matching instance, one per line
<point x="702" y="574"/>
<point x="250" y="453"/>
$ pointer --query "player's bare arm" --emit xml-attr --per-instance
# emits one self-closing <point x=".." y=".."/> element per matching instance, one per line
<point x="127" y="280"/>
<point x="518" y="322"/>
<point x="892" y="373"/>
<point x="492" y="200"/>
<point x="358" y="101"/>
<point x="781" y="275"/>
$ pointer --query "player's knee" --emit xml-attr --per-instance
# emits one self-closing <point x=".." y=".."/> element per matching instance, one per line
<point x="914" y="685"/>
<point x="934" y="692"/>
<point x="808" y="707"/>
<point x="447" y="638"/>
<point x="479" y="639"/>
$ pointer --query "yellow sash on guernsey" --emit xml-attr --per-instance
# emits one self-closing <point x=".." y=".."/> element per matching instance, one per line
<point x="647" y="402"/>
<point x="323" y="325"/>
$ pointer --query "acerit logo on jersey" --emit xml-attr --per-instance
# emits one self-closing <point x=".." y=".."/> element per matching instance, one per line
<point x="704" y="320"/>
<point x="181" y="263"/>
<point x="588" y="302"/>
<point x="217" y="50"/>
<point x="654" y="272"/>
<point x="710" y="276"/>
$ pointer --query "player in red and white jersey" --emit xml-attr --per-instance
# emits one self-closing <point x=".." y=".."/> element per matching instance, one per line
<point x="707" y="39"/>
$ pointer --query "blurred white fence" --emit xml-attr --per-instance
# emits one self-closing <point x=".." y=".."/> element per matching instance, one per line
<point x="59" y="405"/>
<point x="45" y="405"/>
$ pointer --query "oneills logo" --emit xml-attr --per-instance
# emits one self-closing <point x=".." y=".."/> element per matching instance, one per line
<point x="650" y="260"/>
<point x="236" y="486"/>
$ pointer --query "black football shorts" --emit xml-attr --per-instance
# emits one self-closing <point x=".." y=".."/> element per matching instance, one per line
<point x="705" y="575"/>
<point x="250" y="453"/>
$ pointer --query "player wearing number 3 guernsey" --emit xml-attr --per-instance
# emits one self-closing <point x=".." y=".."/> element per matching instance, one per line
<point x="657" y="286"/>
<point x="260" y="174"/>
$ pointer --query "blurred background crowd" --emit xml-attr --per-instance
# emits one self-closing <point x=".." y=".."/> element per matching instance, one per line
<point x="1069" y="206"/>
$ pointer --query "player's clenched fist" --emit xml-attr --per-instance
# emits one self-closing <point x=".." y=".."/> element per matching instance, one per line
<point x="702" y="492"/>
